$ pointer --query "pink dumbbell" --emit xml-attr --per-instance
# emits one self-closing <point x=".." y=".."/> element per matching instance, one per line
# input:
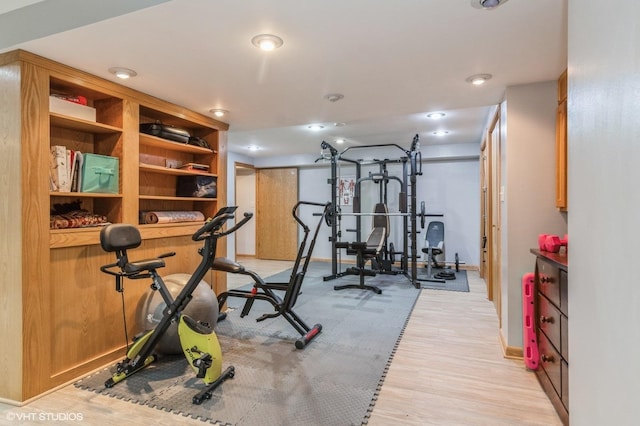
<point x="542" y="240"/>
<point x="553" y="243"/>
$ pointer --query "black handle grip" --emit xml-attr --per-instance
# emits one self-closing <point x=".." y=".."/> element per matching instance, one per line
<point x="215" y="223"/>
<point x="247" y="217"/>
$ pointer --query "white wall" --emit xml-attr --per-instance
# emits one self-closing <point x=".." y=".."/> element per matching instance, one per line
<point x="604" y="201"/>
<point x="232" y="159"/>
<point x="528" y="179"/>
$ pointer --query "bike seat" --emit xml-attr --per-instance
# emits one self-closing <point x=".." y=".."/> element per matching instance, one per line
<point x="143" y="265"/>
<point x="227" y="265"/>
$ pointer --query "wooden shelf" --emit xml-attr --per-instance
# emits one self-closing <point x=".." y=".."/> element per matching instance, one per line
<point x="68" y="122"/>
<point x="164" y="230"/>
<point x="74" y="237"/>
<point x="85" y="194"/>
<point x="156" y="142"/>
<point x="168" y="171"/>
<point x="167" y="198"/>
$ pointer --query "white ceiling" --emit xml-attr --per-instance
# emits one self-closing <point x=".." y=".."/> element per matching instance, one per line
<point x="392" y="60"/>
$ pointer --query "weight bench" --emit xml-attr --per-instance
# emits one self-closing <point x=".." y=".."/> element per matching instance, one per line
<point x="366" y="251"/>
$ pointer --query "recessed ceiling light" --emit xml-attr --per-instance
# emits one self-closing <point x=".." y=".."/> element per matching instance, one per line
<point x="436" y="115"/>
<point x="440" y="132"/>
<point x="478" y="79"/>
<point x="122" y="73"/>
<point x="253" y="148"/>
<point x="487" y="4"/>
<point x="267" y="42"/>
<point x="340" y="141"/>
<point x="316" y="127"/>
<point x="339" y="124"/>
<point x="219" y="112"/>
<point x="334" y="97"/>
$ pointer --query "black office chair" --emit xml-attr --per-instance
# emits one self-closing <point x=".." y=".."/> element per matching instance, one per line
<point x="367" y="251"/>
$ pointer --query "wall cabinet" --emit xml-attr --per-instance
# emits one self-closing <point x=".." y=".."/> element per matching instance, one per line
<point x="552" y="321"/>
<point x="561" y="144"/>
<point x="62" y="316"/>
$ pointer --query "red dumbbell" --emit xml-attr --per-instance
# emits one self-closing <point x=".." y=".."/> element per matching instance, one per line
<point x="553" y="243"/>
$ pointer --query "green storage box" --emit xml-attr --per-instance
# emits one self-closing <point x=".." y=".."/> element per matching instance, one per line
<point x="100" y="174"/>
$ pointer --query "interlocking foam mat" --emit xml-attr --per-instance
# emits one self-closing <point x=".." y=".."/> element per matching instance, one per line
<point x="333" y="381"/>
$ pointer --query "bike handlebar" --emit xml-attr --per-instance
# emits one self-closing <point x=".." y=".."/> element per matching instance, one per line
<point x="245" y="219"/>
<point x="212" y="225"/>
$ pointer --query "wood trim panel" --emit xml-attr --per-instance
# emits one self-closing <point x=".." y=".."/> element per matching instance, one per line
<point x="511" y="352"/>
<point x="11" y="300"/>
<point x="562" y="87"/>
<point x="35" y="228"/>
<point x="561" y="156"/>
<point x="129" y="153"/>
<point x="221" y="277"/>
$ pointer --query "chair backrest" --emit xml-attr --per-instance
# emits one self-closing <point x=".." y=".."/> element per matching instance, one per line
<point x="380" y="230"/>
<point x="435" y="234"/>
<point x="119" y="236"/>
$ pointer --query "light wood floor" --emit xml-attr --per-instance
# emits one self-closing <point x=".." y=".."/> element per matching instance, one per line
<point x="448" y="370"/>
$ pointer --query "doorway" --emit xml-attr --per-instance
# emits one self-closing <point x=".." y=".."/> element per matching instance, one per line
<point x="494" y="215"/>
<point x="245" y="199"/>
<point x="484" y="211"/>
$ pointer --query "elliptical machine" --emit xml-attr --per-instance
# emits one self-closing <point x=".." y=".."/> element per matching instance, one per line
<point x="198" y="340"/>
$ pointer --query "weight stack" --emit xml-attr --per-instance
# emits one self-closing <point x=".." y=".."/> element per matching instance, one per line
<point x="529" y="339"/>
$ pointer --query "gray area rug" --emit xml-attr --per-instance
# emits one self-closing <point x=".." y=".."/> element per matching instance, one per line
<point x="333" y="381"/>
<point x="459" y="284"/>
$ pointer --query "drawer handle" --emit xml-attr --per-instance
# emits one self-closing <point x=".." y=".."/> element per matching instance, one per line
<point x="548" y="358"/>
<point x="546" y="280"/>
<point x="548" y="320"/>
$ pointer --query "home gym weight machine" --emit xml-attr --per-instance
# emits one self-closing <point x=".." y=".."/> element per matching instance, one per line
<point x="411" y="168"/>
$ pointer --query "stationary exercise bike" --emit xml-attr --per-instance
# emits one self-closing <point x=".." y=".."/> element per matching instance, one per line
<point x="198" y="340"/>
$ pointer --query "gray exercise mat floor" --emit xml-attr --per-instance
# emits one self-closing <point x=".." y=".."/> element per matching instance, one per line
<point x="333" y="381"/>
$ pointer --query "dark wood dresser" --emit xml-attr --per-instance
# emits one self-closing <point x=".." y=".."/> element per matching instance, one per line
<point x="552" y="319"/>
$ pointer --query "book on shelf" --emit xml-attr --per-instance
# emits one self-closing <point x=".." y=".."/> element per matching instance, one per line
<point x="76" y="174"/>
<point x="195" y="166"/>
<point x="65" y="173"/>
<point x="59" y="170"/>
